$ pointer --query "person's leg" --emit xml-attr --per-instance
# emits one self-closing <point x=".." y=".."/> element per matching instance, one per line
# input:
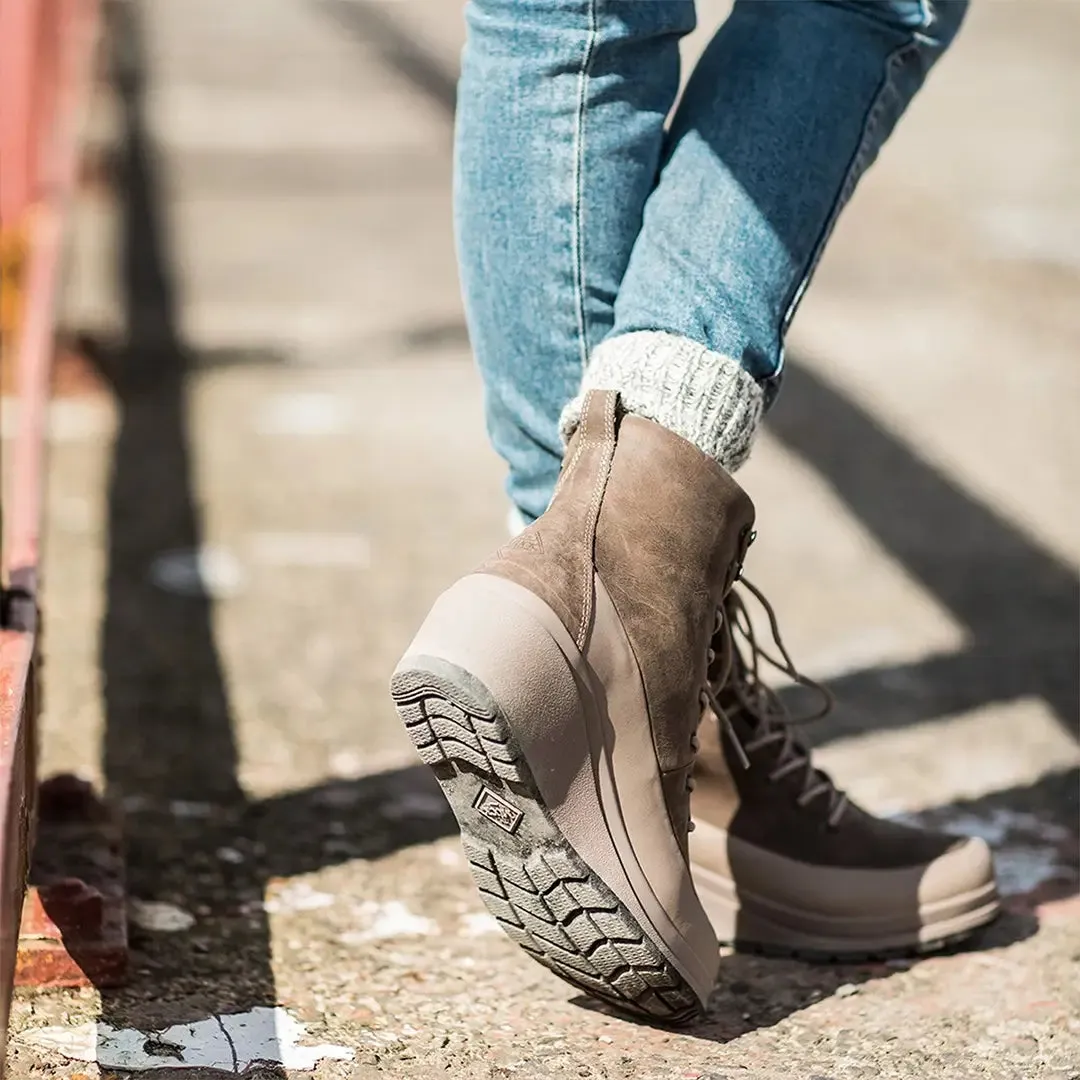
<point x="560" y="129"/>
<point x="784" y="112"/>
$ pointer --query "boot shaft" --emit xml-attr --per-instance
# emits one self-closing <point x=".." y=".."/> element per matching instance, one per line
<point x="664" y="526"/>
<point x="642" y="516"/>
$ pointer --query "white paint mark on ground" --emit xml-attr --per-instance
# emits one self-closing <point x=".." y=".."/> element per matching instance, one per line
<point x="1021" y="870"/>
<point x="209" y="571"/>
<point x="230" y="855"/>
<point x="297" y="896"/>
<point x="232" y="1043"/>
<point x="218" y="573"/>
<point x="311" y="550"/>
<point x="1001" y="823"/>
<point x="1027" y="848"/>
<point x="388" y="920"/>
<point x="304" y="414"/>
<point x="160" y="916"/>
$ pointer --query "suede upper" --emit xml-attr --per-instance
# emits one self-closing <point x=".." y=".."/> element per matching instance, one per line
<point x="664" y="528"/>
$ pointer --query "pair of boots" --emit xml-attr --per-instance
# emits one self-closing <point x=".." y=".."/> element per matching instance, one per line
<point x="596" y="683"/>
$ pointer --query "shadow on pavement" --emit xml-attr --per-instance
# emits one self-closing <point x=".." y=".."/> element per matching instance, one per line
<point x="169" y="741"/>
<point x="193" y="838"/>
<point x="367" y="818"/>
<point x="1019" y="604"/>
<point x="755" y="992"/>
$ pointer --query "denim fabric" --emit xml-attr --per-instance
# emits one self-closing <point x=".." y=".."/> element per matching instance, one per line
<point x="578" y="217"/>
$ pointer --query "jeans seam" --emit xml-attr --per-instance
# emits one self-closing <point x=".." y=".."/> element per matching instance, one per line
<point x="851" y="178"/>
<point x="577" y="239"/>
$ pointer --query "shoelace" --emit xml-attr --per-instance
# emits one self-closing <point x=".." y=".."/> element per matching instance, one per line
<point x="774" y="721"/>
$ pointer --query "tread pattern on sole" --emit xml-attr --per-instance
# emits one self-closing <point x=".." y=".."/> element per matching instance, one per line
<point x="558" y="911"/>
<point x="444" y="731"/>
<point x="541" y="892"/>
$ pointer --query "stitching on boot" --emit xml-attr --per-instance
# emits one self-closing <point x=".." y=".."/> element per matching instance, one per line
<point x="568" y="471"/>
<point x="607" y="454"/>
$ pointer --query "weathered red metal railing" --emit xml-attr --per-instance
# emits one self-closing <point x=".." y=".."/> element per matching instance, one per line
<point x="46" y="52"/>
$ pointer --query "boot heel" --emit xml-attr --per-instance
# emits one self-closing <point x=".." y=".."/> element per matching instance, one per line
<point x="486" y="658"/>
<point x="452" y="719"/>
<point x="492" y="702"/>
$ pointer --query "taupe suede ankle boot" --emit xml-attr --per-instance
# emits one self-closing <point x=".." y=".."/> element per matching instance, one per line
<point x="556" y="694"/>
<point x="787" y="864"/>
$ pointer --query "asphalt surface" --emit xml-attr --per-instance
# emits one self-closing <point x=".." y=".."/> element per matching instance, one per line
<point x="262" y="274"/>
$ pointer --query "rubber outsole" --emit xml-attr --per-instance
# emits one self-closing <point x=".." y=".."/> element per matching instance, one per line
<point x="531" y="879"/>
<point x="942" y="943"/>
<point x="932" y="937"/>
<point x="854" y="956"/>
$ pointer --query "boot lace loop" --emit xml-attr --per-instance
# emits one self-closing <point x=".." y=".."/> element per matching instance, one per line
<point x="773" y="721"/>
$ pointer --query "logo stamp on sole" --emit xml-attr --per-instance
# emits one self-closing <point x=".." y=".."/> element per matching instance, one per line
<point x="495" y="808"/>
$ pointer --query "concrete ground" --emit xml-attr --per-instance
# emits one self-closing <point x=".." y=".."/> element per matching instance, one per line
<point x="263" y="274"/>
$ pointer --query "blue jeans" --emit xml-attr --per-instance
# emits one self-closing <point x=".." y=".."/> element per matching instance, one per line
<point x="579" y="217"/>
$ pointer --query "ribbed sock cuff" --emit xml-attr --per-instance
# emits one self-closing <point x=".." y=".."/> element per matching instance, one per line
<point x="701" y="395"/>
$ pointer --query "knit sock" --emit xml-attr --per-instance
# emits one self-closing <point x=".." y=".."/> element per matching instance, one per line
<point x="701" y="395"/>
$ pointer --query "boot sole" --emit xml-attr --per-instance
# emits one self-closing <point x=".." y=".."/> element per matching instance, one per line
<point x="910" y="951"/>
<point x="743" y="925"/>
<point x="530" y="877"/>
<point x="940" y="939"/>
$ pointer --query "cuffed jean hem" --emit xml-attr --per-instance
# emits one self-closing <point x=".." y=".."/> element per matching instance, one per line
<point x="703" y="396"/>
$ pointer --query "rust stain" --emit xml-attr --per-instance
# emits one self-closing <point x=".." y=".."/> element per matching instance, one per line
<point x="17" y="791"/>
<point x="12" y="265"/>
<point x="73" y="373"/>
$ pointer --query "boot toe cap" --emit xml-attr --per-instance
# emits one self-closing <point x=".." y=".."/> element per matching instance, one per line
<point x="967" y="867"/>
